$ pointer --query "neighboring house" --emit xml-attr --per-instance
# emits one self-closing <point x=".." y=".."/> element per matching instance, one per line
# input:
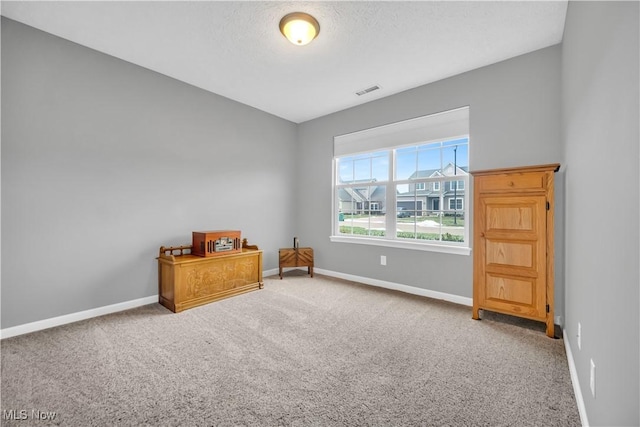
<point x="369" y="198"/>
<point x="447" y="196"/>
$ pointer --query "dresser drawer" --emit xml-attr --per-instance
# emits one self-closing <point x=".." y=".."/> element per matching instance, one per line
<point x="525" y="181"/>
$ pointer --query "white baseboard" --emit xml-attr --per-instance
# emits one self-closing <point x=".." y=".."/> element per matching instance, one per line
<point x="75" y="317"/>
<point x="271" y="272"/>
<point x="114" y="308"/>
<point x="87" y="314"/>
<point x="577" y="391"/>
<point x="399" y="287"/>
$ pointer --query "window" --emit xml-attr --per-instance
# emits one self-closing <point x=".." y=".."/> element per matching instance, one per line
<point x="457" y="185"/>
<point x="455" y="204"/>
<point x="392" y="193"/>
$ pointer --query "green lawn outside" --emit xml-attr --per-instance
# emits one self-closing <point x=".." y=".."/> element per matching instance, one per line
<point x="447" y="237"/>
<point x="447" y="220"/>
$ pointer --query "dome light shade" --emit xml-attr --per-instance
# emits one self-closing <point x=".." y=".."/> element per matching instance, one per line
<point x="299" y="28"/>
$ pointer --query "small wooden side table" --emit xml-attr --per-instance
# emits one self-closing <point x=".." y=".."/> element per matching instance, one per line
<point x="296" y="257"/>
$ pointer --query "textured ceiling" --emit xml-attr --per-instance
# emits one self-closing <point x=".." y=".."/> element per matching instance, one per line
<point x="235" y="49"/>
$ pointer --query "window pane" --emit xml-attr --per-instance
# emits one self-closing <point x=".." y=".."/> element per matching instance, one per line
<point x="346" y="209"/>
<point x="453" y="227"/>
<point x="456" y="152"/>
<point x="380" y="167"/>
<point x="363" y="167"/>
<point x="430" y="228"/>
<point x="409" y="212"/>
<point x="453" y="221"/>
<point x="344" y="170"/>
<point x="421" y="215"/>
<point x="406" y="163"/>
<point x="429" y="158"/>
<point x="361" y="210"/>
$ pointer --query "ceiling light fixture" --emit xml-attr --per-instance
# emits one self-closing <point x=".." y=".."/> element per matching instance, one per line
<point x="299" y="28"/>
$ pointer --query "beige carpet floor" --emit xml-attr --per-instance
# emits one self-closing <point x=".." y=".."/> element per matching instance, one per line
<point x="300" y="352"/>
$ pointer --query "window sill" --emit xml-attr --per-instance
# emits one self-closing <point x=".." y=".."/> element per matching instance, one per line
<point x="430" y="247"/>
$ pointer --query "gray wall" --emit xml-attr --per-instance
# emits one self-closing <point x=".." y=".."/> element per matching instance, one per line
<point x="103" y="162"/>
<point x="601" y="137"/>
<point x="514" y="121"/>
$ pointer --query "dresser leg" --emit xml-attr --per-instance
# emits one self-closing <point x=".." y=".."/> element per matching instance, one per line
<point x="311" y="271"/>
<point x="280" y="273"/>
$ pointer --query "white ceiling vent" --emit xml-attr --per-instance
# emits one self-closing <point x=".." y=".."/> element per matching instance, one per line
<point x="367" y="90"/>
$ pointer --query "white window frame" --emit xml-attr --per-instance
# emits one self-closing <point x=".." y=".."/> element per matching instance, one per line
<point x="424" y="130"/>
<point x="457" y="184"/>
<point x="461" y="201"/>
<point x="420" y="186"/>
<point x="436" y="185"/>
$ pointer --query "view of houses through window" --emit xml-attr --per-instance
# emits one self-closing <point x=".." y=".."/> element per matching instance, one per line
<point x="404" y="193"/>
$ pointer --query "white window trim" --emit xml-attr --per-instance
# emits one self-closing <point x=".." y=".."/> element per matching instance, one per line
<point x="404" y="244"/>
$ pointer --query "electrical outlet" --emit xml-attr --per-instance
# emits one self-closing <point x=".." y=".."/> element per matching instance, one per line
<point x="579" y="336"/>
<point x="383" y="260"/>
<point x="592" y="379"/>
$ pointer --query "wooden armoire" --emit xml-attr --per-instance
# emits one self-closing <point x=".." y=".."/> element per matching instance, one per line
<point x="513" y="242"/>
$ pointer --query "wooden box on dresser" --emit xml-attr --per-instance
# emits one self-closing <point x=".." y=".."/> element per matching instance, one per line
<point x="513" y="242"/>
<point x="186" y="280"/>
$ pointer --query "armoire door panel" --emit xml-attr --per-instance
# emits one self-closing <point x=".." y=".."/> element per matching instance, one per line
<point x="514" y="214"/>
<point x="505" y="253"/>
<point x="510" y="218"/>
<point x="516" y="294"/>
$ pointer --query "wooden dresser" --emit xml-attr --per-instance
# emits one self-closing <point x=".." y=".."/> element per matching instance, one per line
<point x="296" y="257"/>
<point x="187" y="281"/>
<point x="513" y="243"/>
